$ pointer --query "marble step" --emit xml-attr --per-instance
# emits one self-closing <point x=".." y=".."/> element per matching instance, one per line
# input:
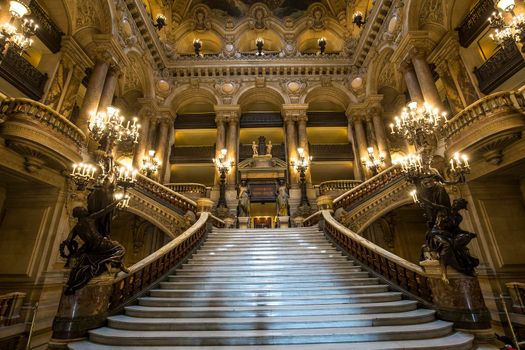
<point x="268" y="301"/>
<point x="293" y="322"/>
<point x="277" y="285"/>
<point x="203" y="273"/>
<point x="112" y="336"/>
<point x="255" y="250"/>
<point x="454" y="341"/>
<point x="292" y="267"/>
<point x="256" y="292"/>
<point x="261" y="248"/>
<point x="278" y="310"/>
<point x="291" y="230"/>
<point x="271" y="259"/>
<point x="270" y="279"/>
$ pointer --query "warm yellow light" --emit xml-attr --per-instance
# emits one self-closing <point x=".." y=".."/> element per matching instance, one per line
<point x="18" y="9"/>
<point x="506" y="5"/>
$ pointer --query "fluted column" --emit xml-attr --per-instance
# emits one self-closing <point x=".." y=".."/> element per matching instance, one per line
<point x="220" y="142"/>
<point x="145" y="116"/>
<point x="292" y="113"/>
<point x="231" y="115"/>
<point x="379" y="127"/>
<point x="162" y="145"/>
<point x="362" y="145"/>
<point x="93" y="92"/>
<point x="358" y="172"/>
<point x="411" y="81"/>
<point x="426" y="81"/>
<point x="110" y="85"/>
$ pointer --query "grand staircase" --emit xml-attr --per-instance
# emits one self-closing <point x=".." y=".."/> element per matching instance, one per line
<point x="273" y="289"/>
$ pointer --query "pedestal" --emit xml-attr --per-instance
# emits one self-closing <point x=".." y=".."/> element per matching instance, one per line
<point x="459" y="300"/>
<point x="244" y="222"/>
<point x="283" y="221"/>
<point x="229" y="222"/>
<point x="204" y="205"/>
<point x="298" y="221"/>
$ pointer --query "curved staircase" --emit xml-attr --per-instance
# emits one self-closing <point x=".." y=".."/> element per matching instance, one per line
<point x="273" y="289"/>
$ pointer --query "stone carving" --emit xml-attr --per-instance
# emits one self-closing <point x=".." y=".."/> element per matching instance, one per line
<point x="244" y="200"/>
<point x="431" y="12"/>
<point x="98" y="254"/>
<point x="269" y="148"/>
<point x="255" y="149"/>
<point x="87" y="14"/>
<point x="316" y="20"/>
<point x="201" y="21"/>
<point x="294" y="88"/>
<point x="259" y="21"/>
<point x="387" y="77"/>
<point x="57" y="87"/>
<point x="227" y="89"/>
<point x="282" y="199"/>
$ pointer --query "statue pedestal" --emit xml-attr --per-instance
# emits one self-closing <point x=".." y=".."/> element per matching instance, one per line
<point x="244" y="222"/>
<point x="229" y="222"/>
<point x="459" y="299"/>
<point x="283" y="221"/>
<point x="298" y="221"/>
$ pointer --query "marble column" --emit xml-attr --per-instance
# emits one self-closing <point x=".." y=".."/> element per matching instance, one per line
<point x="291" y="114"/>
<point x="411" y="81"/>
<point x="379" y="127"/>
<point x="220" y="142"/>
<point x="358" y="172"/>
<point x="230" y="114"/>
<point x="162" y="145"/>
<point x="302" y="139"/>
<point x="362" y="145"/>
<point x="93" y="93"/>
<point x="426" y="81"/>
<point x="143" y="145"/>
<point x="106" y="99"/>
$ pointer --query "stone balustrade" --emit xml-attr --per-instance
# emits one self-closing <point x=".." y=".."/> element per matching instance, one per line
<point x="165" y="196"/>
<point x="192" y="190"/>
<point x="32" y="128"/>
<point x="336" y="186"/>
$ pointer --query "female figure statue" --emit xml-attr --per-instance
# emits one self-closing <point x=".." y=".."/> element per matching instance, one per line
<point x="244" y="200"/>
<point x="282" y="199"/>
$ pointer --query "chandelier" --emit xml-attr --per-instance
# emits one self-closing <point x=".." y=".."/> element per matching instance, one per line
<point x="507" y="33"/>
<point x="16" y="34"/>
<point x="150" y="164"/>
<point x="372" y="162"/>
<point x="109" y="129"/>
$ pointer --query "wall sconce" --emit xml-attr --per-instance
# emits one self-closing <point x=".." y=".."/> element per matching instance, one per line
<point x="160" y="22"/>
<point x="259" y="42"/>
<point x="322" y="44"/>
<point x="150" y="164"/>
<point x="359" y="19"/>
<point x="197" y="45"/>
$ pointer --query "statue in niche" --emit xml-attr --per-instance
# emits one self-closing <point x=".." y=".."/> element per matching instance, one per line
<point x="282" y="199"/>
<point x="244" y="200"/>
<point x="200" y="21"/>
<point x="259" y="22"/>
<point x="316" y="22"/>
<point x="255" y="149"/>
<point x="445" y="240"/>
<point x="269" y="148"/>
<point x="98" y="254"/>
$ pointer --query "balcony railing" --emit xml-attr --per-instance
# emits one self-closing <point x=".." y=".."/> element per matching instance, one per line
<point x="22" y="75"/>
<point x="335" y="186"/>
<point x="48" y="32"/>
<point x="504" y="63"/>
<point x="192" y="190"/>
<point x="475" y="22"/>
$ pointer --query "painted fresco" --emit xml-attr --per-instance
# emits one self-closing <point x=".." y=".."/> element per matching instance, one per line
<point x="239" y="8"/>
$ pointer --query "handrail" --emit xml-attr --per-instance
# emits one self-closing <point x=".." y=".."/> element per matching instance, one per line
<point x="177" y="201"/>
<point x="45" y="115"/>
<point x="337" y="185"/>
<point x="217" y="222"/>
<point x="10" y="305"/>
<point x="188" y="187"/>
<point x="313" y="219"/>
<point x="408" y="276"/>
<point x="147" y="271"/>
<point x="369" y="187"/>
<point x="484" y="108"/>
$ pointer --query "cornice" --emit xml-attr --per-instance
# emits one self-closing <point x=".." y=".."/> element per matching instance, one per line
<point x="75" y="53"/>
<point x="448" y="47"/>
<point x="419" y="40"/>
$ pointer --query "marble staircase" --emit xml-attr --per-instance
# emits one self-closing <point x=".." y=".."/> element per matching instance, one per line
<point x="273" y="289"/>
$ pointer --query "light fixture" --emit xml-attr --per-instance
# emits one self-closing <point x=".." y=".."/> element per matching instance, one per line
<point x="301" y="165"/>
<point x="160" y="22"/>
<point x="373" y="163"/>
<point x="150" y="164"/>
<point x="223" y="166"/>
<point x="506" y="5"/>
<point x="506" y="33"/>
<point x="197" y="45"/>
<point x="259" y="42"/>
<point x="322" y="44"/>
<point x="358" y="19"/>
<point x="109" y="125"/>
<point x="82" y="174"/>
<point x="16" y="34"/>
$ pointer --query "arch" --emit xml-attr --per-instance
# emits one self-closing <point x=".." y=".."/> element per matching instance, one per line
<point x="337" y="95"/>
<point x="185" y="95"/>
<point x="307" y="41"/>
<point x="251" y="94"/>
<point x="62" y="14"/>
<point x="212" y="43"/>
<point x="380" y="213"/>
<point x="140" y="213"/>
<point x="92" y="18"/>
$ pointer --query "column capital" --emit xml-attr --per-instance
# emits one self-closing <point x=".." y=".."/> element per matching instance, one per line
<point x="356" y="112"/>
<point x="105" y="48"/>
<point x="413" y="43"/>
<point x="406" y="66"/>
<point x="446" y="49"/>
<point x="72" y="52"/>
<point x="294" y="112"/>
<point x="227" y="113"/>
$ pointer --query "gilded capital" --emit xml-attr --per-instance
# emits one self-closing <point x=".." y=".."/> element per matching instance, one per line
<point x="294" y="112"/>
<point x="227" y="113"/>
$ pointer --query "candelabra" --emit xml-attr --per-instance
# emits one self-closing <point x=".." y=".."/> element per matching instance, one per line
<point x="223" y="166"/>
<point x="507" y="33"/>
<point x="150" y="164"/>
<point x="358" y="19"/>
<point x="301" y="165"/>
<point x="160" y="22"/>
<point x="322" y="45"/>
<point x="197" y="45"/>
<point x="16" y="34"/>
<point x="372" y="162"/>
<point x="259" y="42"/>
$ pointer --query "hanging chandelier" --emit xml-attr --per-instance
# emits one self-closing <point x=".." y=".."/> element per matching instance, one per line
<point x="506" y="33"/>
<point x="16" y="34"/>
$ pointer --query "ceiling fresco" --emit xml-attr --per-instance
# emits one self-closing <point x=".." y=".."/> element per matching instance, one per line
<point x="239" y="8"/>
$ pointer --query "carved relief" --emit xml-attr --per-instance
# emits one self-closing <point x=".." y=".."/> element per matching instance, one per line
<point x="431" y="12"/>
<point x="201" y="21"/>
<point x="259" y="20"/>
<point x="317" y="19"/>
<point x="227" y="89"/>
<point x="87" y="14"/>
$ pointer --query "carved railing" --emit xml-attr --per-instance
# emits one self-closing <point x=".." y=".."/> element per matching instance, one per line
<point x="369" y="188"/>
<point x="190" y="189"/>
<point x="164" y="195"/>
<point x="404" y="274"/>
<point x="475" y="22"/>
<point x="504" y="63"/>
<point x="48" y="32"/>
<point x="334" y="186"/>
<point x="313" y="219"/>
<point x="22" y="75"/>
<point x="10" y="306"/>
